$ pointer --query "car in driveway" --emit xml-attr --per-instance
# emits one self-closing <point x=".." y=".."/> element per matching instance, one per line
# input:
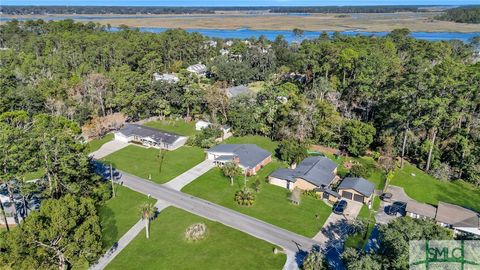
<point x="340" y="207"/>
<point x="395" y="208"/>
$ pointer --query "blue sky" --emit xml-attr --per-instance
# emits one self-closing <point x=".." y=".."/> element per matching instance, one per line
<point x="235" y="3"/>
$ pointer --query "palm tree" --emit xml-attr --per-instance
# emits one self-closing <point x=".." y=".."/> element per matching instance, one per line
<point x="231" y="169"/>
<point x="147" y="210"/>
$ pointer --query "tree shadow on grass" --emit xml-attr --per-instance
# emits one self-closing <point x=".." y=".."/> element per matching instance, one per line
<point x="109" y="227"/>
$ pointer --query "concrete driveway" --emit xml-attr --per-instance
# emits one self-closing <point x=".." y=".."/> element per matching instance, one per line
<point x="329" y="232"/>
<point x="398" y="195"/>
<point x="108" y="148"/>
<point x="187" y="177"/>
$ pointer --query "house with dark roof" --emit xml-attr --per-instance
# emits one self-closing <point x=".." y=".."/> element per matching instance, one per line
<point x="356" y="189"/>
<point x="416" y="209"/>
<point x="249" y="157"/>
<point x="458" y="218"/>
<point x="313" y="173"/>
<point x="150" y="137"/>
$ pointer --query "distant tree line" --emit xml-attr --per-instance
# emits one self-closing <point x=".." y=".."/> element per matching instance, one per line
<point x="26" y="10"/>
<point x="461" y="15"/>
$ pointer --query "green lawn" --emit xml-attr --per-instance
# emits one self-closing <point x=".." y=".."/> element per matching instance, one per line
<point x="144" y="162"/>
<point x="119" y="214"/>
<point x="377" y="176"/>
<point x="180" y="127"/>
<point x="94" y="145"/>
<point x="224" y="247"/>
<point x="425" y="188"/>
<point x="260" y="141"/>
<point x="271" y="205"/>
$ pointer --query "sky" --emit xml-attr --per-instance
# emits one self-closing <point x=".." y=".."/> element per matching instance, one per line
<point x="235" y="3"/>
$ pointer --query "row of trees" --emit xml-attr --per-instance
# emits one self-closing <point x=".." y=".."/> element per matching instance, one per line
<point x="461" y="15"/>
<point x="66" y="231"/>
<point x="418" y="98"/>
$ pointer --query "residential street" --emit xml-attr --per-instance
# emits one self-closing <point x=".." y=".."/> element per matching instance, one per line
<point x="262" y="230"/>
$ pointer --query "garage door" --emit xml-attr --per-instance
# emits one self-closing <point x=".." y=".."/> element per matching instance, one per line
<point x="347" y="195"/>
<point x="358" y="198"/>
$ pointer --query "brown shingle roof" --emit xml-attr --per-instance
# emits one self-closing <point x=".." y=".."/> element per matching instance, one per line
<point x="456" y="216"/>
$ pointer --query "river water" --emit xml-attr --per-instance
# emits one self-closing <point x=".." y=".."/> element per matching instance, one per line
<point x="245" y="33"/>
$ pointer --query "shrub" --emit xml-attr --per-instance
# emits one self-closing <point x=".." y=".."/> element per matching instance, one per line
<point x="206" y="138"/>
<point x="360" y="170"/>
<point x="311" y="193"/>
<point x="195" y="232"/>
<point x="245" y="197"/>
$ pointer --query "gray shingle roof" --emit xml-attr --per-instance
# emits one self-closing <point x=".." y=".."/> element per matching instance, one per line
<point x="358" y="184"/>
<point x="153" y="133"/>
<point x="423" y="209"/>
<point x="237" y="90"/>
<point x="316" y="170"/>
<point x="250" y="155"/>
<point x="456" y="216"/>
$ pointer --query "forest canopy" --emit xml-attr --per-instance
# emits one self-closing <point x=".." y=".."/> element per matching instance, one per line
<point x="395" y="94"/>
<point x="461" y="15"/>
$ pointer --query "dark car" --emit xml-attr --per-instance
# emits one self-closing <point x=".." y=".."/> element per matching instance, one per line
<point x="395" y="208"/>
<point x="339" y="207"/>
<point x="386" y="197"/>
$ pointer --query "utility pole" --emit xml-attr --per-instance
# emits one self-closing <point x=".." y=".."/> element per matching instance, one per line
<point x="111" y="179"/>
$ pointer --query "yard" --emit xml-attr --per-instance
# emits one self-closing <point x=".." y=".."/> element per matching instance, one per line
<point x="260" y="141"/>
<point x="376" y="175"/>
<point x="145" y="162"/>
<point x="180" y="127"/>
<point x="224" y="248"/>
<point x="95" y="144"/>
<point x="119" y="214"/>
<point x="271" y="204"/>
<point x="424" y="188"/>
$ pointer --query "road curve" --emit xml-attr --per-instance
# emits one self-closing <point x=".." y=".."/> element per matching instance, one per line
<point x="288" y="240"/>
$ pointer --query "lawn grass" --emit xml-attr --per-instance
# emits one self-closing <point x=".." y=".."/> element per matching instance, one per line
<point x="223" y="248"/>
<point x="377" y="176"/>
<point x="144" y="162"/>
<point x="119" y="214"/>
<point x="180" y="127"/>
<point x="260" y="141"/>
<point x="94" y="145"/>
<point x="425" y="188"/>
<point x="271" y="204"/>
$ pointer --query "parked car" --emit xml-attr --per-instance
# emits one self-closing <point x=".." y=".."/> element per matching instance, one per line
<point x="395" y="208"/>
<point x="386" y="197"/>
<point x="340" y="207"/>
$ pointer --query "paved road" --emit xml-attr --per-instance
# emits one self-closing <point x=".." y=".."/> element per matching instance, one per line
<point x="187" y="177"/>
<point x="125" y="240"/>
<point x="257" y="228"/>
<point x="108" y="148"/>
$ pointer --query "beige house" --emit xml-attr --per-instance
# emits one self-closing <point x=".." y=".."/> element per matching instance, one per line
<point x="313" y="173"/>
<point x="249" y="157"/>
<point x="357" y="189"/>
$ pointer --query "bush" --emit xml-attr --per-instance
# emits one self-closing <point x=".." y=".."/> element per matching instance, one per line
<point x="195" y="232"/>
<point x="206" y="138"/>
<point x="311" y="193"/>
<point x="360" y="170"/>
<point x="245" y="197"/>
